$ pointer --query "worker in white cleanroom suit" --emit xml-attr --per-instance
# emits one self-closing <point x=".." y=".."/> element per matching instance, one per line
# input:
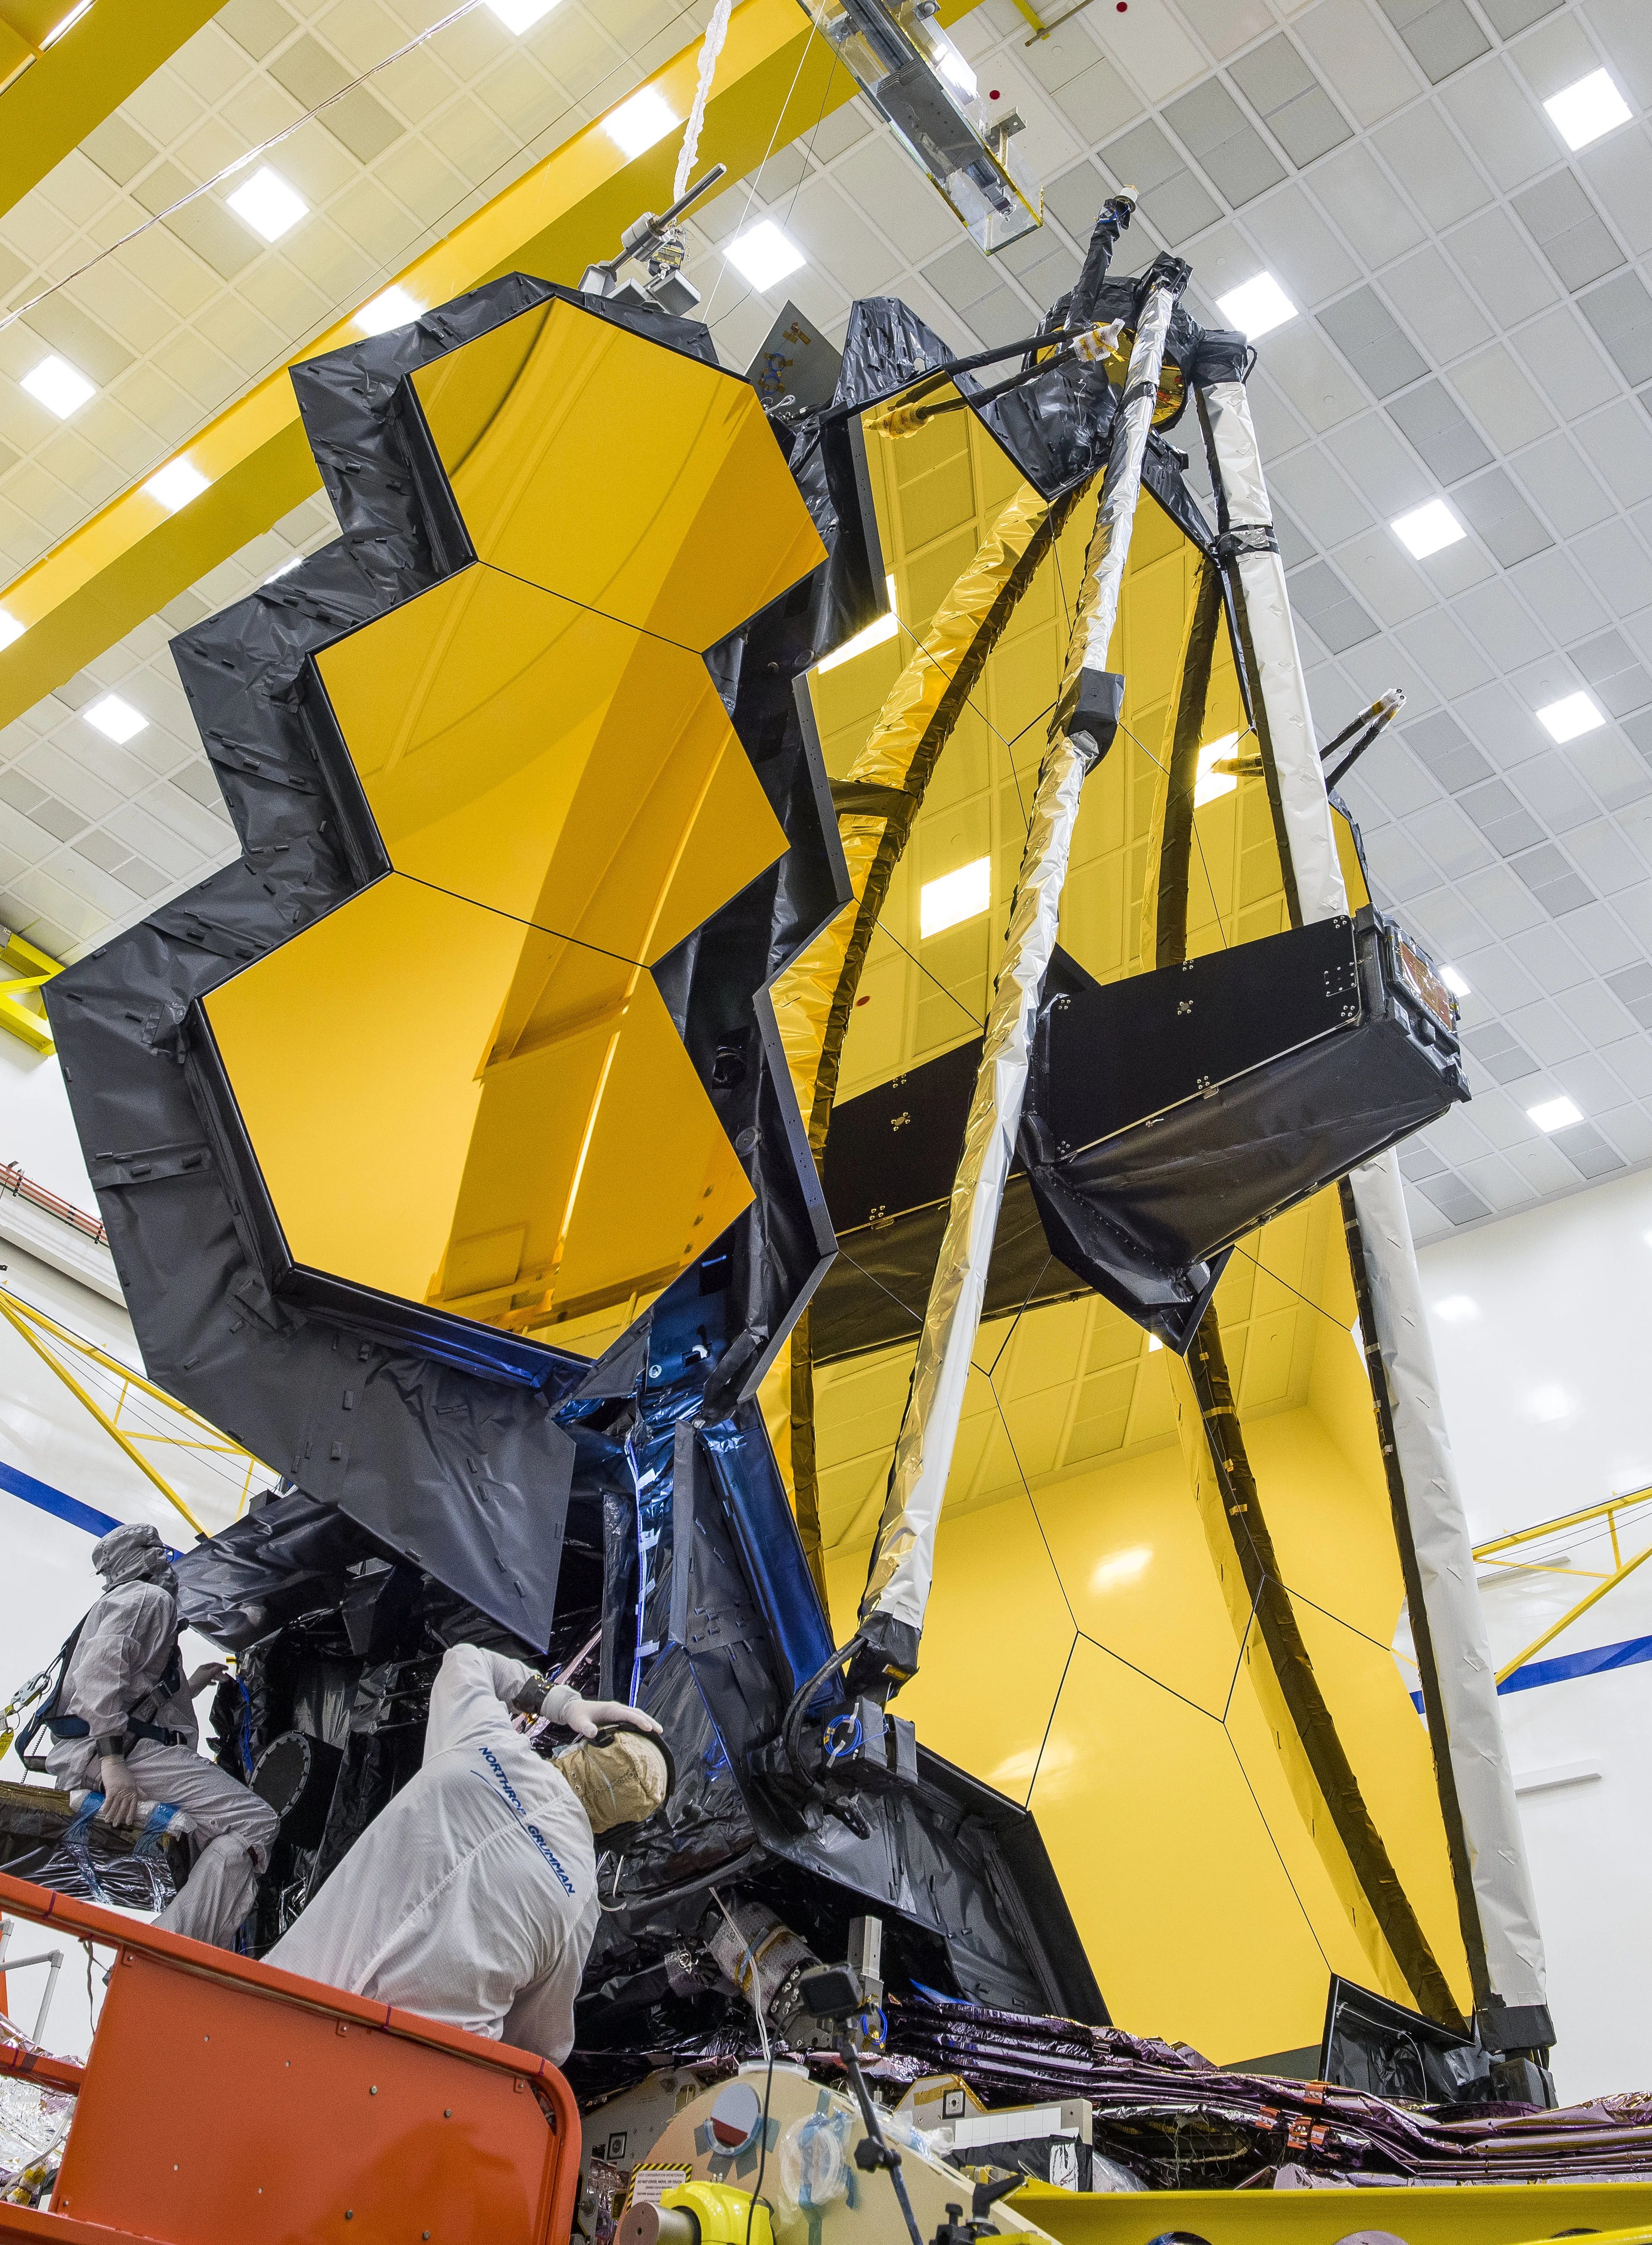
<point x="472" y="1896"/>
<point x="124" y="1723"/>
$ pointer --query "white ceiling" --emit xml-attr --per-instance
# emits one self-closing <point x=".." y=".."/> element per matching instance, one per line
<point x="1473" y="320"/>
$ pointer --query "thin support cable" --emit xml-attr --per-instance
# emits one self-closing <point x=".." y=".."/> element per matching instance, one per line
<point x="974" y="1018"/>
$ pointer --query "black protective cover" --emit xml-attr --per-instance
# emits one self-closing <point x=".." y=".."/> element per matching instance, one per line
<point x="959" y="1873"/>
<point x="1170" y="1113"/>
<point x="436" y="1437"/>
<point x="1166" y="1115"/>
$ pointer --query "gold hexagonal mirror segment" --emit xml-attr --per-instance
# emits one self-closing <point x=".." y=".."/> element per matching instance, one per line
<point x="462" y="1087"/>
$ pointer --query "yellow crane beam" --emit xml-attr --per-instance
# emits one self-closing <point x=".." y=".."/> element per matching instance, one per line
<point x="775" y="79"/>
<point x="59" y="79"/>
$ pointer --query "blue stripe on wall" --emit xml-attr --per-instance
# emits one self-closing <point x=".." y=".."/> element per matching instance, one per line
<point x="54" y="1501"/>
<point x="1595" y="1662"/>
<point x="1627" y="1654"/>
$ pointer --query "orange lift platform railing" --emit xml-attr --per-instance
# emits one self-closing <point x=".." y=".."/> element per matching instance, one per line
<point x="226" y="2103"/>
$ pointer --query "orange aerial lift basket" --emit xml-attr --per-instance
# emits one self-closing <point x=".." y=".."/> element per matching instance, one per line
<point x="226" y="2103"/>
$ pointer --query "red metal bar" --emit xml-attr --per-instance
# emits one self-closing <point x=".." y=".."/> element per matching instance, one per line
<point x="38" y="2066"/>
<point x="13" y="1180"/>
<point x="27" y="2225"/>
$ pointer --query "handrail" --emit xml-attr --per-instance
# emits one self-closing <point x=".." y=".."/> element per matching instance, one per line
<point x="40" y="2065"/>
<point x="543" y="2160"/>
<point x="88" y="1921"/>
<point x="13" y="1180"/>
<point x="1600" y="1511"/>
<point x="1621" y="1568"/>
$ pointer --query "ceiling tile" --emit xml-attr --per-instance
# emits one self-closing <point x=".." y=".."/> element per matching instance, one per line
<point x="1562" y="801"/>
<point x="1619" y="441"/>
<point x="1545" y="1032"/>
<point x="1498" y="393"/>
<point x="1617" y="563"/>
<point x="1617" y="775"/>
<point x="1430" y="295"/>
<point x="1383" y="576"/>
<point x="1456" y="846"/>
<point x="1319" y="497"/>
<point x="1212" y="128"/>
<point x="1377" y="221"/>
<point x="1444" y="748"/>
<point x="1384" y="467"/>
<point x="1441" y="433"/>
<point x="1557" y="55"/>
<point x="1225" y="25"/>
<point x="1447" y="656"/>
<point x="1502" y="123"/>
<point x="1556" y="476"/>
<point x="1372" y="342"/>
<point x="1152" y="48"/>
<point x="1312" y="377"/>
<point x="1619" y="169"/>
<point x="1298" y="248"/>
<point x="1549" y="958"/>
<point x="1175" y="201"/>
<point x="1499" y="266"/>
<point x="1281" y="88"/>
<point x="1497" y="976"/>
<point x="1619" y="311"/>
<point x="1324" y="603"/>
<point x="1626" y="31"/>
<point x="1442" y="35"/>
<point x="1554" y="589"/>
<point x="1492" y="507"/>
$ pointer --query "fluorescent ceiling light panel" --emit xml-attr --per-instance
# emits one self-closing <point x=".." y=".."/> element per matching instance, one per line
<point x="56" y="385"/>
<point x="1457" y="1309"/>
<point x="1454" y="982"/>
<point x="1208" y="784"/>
<point x="874" y="635"/>
<point x="63" y="24"/>
<point x="11" y="629"/>
<point x="955" y="898"/>
<point x="1427" y="528"/>
<point x="763" y="255"/>
<point x="392" y="308"/>
<point x="520" y="16"/>
<point x="1582" y="113"/>
<point x="1258" y="306"/>
<point x="268" y="204"/>
<point x="115" y="719"/>
<point x="1575" y="713"/>
<point x="637" y="124"/>
<point x="175" y="484"/>
<point x="1555" y="1113"/>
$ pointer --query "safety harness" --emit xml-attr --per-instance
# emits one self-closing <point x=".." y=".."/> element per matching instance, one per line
<point x="46" y="1717"/>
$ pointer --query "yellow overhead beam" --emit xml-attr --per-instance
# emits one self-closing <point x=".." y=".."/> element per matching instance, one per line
<point x="775" y="79"/>
<point x="1604" y="1511"/>
<point x="24" y="972"/>
<point x="54" y="91"/>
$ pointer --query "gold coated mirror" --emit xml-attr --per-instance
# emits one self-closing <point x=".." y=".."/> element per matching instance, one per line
<point x="497" y="1116"/>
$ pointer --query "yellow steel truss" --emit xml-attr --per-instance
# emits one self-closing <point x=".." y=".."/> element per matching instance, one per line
<point x="1621" y="1569"/>
<point x="176" y="1428"/>
<point x="24" y="972"/>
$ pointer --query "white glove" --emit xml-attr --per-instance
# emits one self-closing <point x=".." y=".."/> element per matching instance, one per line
<point x="586" y="1716"/>
<point x="119" y="1788"/>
